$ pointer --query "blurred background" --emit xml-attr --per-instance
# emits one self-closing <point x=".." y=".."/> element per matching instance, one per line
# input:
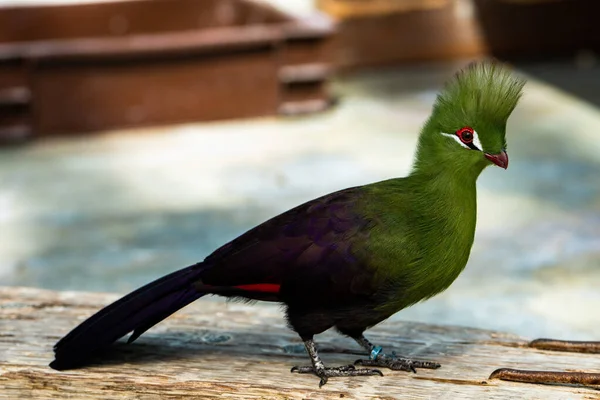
<point x="139" y="135"/>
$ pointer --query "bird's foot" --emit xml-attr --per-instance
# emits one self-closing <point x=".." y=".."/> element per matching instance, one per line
<point x="397" y="363"/>
<point x="379" y="359"/>
<point x="326" y="372"/>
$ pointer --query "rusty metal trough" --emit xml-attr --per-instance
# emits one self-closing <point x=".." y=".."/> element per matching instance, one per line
<point x="90" y="67"/>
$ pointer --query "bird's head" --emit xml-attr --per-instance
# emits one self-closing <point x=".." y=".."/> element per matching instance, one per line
<point x="467" y="128"/>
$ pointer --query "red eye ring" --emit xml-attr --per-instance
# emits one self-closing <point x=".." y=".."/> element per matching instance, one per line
<point x="466" y="134"/>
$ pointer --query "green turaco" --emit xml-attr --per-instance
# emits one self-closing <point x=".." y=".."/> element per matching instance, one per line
<point x="350" y="259"/>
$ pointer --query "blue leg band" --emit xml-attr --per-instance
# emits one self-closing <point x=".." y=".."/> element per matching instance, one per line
<point x="375" y="352"/>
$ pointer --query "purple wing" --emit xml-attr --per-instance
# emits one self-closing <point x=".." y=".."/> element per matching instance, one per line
<point x="313" y="248"/>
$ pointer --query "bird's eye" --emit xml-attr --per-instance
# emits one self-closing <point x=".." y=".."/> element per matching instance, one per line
<point x="465" y="134"/>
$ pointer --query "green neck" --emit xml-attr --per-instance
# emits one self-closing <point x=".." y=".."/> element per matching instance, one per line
<point x="444" y="181"/>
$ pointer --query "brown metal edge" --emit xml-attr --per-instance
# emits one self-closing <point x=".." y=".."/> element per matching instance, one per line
<point x="138" y="45"/>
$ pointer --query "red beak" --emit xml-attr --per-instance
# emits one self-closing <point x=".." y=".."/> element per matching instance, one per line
<point x="500" y="160"/>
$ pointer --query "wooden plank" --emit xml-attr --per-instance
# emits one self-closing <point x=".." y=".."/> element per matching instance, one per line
<point x="214" y="349"/>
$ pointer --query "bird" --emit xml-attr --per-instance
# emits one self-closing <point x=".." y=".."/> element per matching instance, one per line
<point x="350" y="259"/>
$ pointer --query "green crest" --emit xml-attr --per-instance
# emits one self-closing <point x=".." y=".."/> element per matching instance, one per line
<point x="483" y="90"/>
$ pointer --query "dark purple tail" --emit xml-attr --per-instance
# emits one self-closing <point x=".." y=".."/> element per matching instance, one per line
<point x="138" y="311"/>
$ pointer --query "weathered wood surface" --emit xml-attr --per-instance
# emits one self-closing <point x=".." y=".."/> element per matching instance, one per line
<point x="214" y="349"/>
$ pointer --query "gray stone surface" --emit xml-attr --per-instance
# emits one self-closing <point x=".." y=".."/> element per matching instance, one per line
<point x="113" y="211"/>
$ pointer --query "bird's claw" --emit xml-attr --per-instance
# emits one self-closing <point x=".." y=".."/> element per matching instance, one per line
<point x="398" y="364"/>
<point x="346" y="370"/>
<point x="310" y="369"/>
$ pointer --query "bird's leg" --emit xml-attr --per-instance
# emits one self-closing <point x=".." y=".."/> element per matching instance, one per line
<point x="379" y="359"/>
<point x="553" y="377"/>
<point x="319" y="369"/>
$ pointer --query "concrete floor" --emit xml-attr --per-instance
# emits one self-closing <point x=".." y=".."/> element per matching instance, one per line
<point x="111" y="212"/>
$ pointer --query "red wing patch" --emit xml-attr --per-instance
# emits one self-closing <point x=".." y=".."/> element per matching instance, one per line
<point x="260" y="287"/>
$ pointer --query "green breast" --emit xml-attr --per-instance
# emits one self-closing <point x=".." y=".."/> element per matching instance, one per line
<point x="421" y="237"/>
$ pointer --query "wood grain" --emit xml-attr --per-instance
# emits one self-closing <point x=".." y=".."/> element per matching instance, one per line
<point x="213" y="349"/>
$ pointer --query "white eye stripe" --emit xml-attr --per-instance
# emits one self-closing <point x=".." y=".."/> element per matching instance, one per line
<point x="476" y="141"/>
<point x="453" y="136"/>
